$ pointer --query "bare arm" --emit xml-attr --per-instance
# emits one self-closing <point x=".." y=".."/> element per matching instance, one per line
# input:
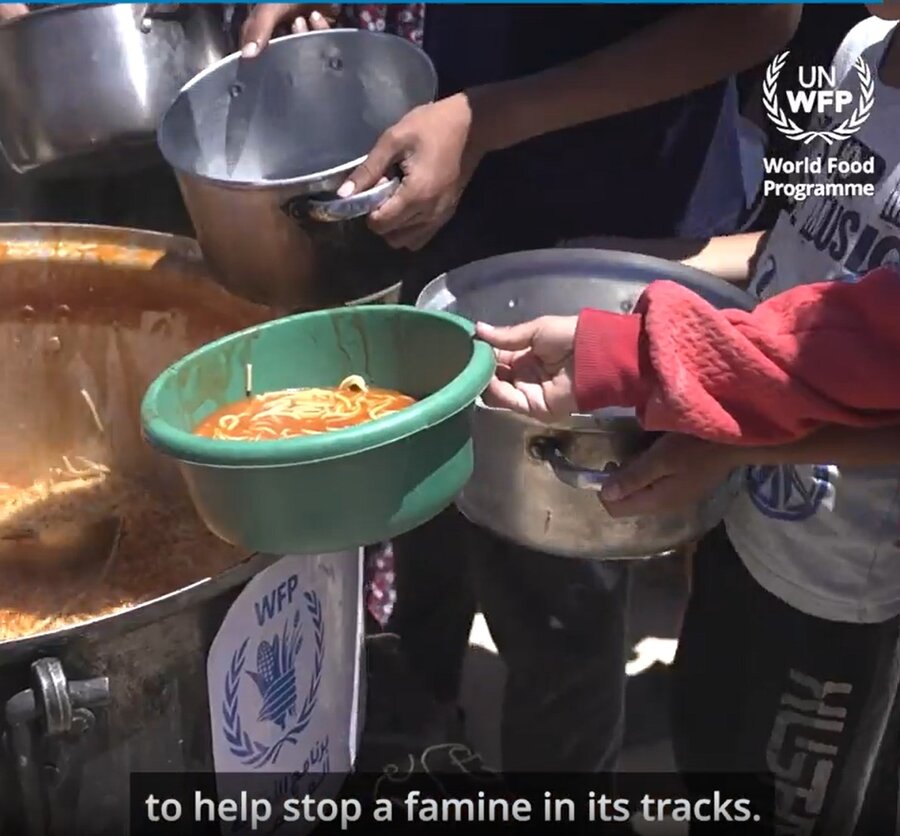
<point x="678" y="470"/>
<point x="843" y="446"/>
<point x="685" y="51"/>
<point x="730" y="257"/>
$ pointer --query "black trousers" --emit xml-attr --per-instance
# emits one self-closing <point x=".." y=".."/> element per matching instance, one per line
<point x="559" y="624"/>
<point x="808" y="705"/>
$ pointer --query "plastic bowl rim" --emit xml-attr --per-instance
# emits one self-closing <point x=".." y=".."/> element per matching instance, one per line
<point x="451" y="399"/>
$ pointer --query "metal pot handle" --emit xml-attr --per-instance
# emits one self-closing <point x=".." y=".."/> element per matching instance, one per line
<point x="355" y="206"/>
<point x="44" y="721"/>
<point x="582" y="478"/>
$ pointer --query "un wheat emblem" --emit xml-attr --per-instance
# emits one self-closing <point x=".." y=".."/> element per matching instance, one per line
<point x="275" y="679"/>
<point x="792" y="130"/>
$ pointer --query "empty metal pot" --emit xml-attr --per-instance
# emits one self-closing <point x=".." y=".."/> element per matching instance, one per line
<point x="260" y="146"/>
<point x="83" y="87"/>
<point x="537" y="485"/>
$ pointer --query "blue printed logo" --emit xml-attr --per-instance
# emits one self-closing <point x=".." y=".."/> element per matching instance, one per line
<point x="791" y="493"/>
<point x="278" y="681"/>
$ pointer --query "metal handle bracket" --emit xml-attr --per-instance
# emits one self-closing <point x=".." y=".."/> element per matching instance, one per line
<point x="355" y="206"/>
<point x="64" y="711"/>
<point x="581" y="478"/>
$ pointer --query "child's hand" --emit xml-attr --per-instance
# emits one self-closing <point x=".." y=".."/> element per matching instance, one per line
<point x="534" y="367"/>
<point x="675" y="473"/>
<point x="434" y="146"/>
<point x="10" y="11"/>
<point x="266" y="17"/>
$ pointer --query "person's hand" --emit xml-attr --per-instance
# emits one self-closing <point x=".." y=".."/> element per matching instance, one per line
<point x="10" y="11"/>
<point x="434" y="148"/>
<point x="534" y="367"/>
<point x="675" y="473"/>
<point x="264" y="18"/>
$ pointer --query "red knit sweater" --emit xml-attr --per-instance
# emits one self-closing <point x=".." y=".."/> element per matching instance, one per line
<point x="819" y="354"/>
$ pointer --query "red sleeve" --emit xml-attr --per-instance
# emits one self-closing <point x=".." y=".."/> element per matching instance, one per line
<point x="819" y="354"/>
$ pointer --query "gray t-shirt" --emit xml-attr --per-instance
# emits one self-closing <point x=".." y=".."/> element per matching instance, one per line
<point x="824" y="539"/>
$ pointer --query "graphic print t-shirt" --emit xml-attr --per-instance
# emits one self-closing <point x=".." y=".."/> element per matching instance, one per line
<point x="826" y="540"/>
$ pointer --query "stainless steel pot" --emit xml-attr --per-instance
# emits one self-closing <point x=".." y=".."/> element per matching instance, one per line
<point x="83" y="87"/>
<point x="536" y="485"/>
<point x="81" y="708"/>
<point x="260" y="147"/>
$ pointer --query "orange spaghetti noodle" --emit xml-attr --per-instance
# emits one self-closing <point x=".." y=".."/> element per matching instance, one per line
<point x="289" y="413"/>
<point x="161" y="547"/>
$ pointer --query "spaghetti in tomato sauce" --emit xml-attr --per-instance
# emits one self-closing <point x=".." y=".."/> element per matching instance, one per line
<point x="289" y="413"/>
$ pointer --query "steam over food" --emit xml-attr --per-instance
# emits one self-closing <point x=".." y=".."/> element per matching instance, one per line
<point x="289" y="413"/>
<point x="159" y="547"/>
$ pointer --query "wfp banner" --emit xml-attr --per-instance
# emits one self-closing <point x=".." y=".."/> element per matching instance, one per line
<point x="483" y="802"/>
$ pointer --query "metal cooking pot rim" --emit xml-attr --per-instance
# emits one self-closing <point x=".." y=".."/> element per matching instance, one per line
<point x="156" y="609"/>
<point x="577" y="420"/>
<point x="291" y="181"/>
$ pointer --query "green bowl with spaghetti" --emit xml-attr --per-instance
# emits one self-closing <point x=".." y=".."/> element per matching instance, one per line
<point x="334" y="490"/>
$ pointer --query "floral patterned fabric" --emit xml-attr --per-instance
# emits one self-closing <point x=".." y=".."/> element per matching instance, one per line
<point x="379" y="583"/>
<point x="403" y="19"/>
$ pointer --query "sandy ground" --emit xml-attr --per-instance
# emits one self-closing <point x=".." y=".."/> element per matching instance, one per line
<point x="657" y="597"/>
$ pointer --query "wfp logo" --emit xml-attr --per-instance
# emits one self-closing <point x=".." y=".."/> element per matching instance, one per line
<point x="818" y="95"/>
<point x="267" y="709"/>
<point x="789" y="493"/>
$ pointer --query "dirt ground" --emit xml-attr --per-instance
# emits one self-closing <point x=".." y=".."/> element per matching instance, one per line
<point x="658" y="594"/>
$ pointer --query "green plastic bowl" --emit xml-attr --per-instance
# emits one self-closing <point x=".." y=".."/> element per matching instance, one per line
<point x="337" y="490"/>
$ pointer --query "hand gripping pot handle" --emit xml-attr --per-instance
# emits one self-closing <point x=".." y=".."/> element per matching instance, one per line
<point x="355" y="206"/>
<point x="581" y="478"/>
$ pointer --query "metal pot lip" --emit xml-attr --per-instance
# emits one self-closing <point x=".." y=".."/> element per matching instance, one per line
<point x="375" y="297"/>
<point x="603" y="420"/>
<point x="58" y="242"/>
<point x="276" y="43"/>
<point x="445" y="288"/>
<point x="140" y="614"/>
<point x="337" y="173"/>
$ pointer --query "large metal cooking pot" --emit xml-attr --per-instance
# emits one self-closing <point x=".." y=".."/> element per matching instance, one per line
<point x="83" y="87"/>
<point x="261" y="146"/>
<point x="161" y="686"/>
<point x="536" y="485"/>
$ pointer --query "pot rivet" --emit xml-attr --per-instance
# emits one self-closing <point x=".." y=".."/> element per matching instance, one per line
<point x="335" y="63"/>
<point x="235" y="90"/>
<point x="146" y="25"/>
